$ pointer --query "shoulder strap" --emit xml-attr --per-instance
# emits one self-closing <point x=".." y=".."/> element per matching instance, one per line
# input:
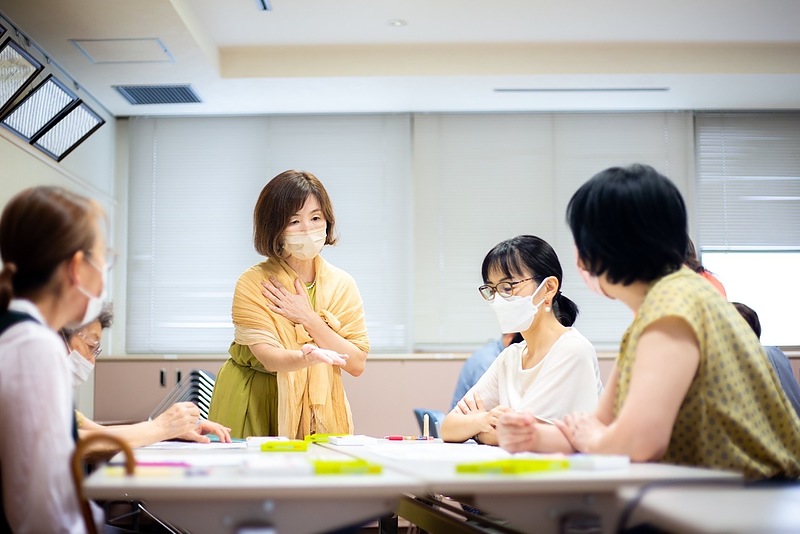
<point x="11" y="317"/>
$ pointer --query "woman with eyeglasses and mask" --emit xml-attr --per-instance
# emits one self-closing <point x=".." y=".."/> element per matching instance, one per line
<point x="54" y="271"/>
<point x="298" y="322"/>
<point x="691" y="385"/>
<point x="180" y="421"/>
<point x="553" y="371"/>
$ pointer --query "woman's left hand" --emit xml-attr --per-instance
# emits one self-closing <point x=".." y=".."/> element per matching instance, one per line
<point x="294" y="306"/>
<point x="583" y="430"/>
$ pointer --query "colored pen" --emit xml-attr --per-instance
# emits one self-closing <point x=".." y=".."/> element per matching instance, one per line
<point x="162" y="464"/>
<point x="407" y="438"/>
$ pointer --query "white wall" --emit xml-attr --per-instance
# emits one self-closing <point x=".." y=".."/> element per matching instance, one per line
<point x="88" y="170"/>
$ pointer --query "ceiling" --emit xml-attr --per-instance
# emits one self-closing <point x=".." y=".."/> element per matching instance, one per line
<point x="308" y="56"/>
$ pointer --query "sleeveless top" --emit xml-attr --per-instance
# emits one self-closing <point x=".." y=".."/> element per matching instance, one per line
<point x="735" y="414"/>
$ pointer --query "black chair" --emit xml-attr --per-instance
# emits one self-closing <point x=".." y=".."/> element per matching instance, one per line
<point x="195" y="387"/>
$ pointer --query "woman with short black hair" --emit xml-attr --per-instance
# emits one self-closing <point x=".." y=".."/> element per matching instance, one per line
<point x="691" y="386"/>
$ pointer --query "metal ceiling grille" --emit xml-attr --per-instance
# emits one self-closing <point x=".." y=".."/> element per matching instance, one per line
<point x="158" y="94"/>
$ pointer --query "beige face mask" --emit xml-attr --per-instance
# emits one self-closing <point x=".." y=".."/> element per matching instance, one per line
<point x="305" y="245"/>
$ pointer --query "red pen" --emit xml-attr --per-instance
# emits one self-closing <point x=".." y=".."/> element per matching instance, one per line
<point x="406" y="438"/>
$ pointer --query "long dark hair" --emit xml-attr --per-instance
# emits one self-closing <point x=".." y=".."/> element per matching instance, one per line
<point x="527" y="253"/>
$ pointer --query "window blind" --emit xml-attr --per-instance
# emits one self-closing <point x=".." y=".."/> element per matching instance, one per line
<point x="193" y="186"/>
<point x="748" y="198"/>
<point x="480" y="179"/>
<point x="419" y="202"/>
<point x="748" y="181"/>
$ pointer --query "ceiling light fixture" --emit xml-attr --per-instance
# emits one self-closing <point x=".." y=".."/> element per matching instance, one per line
<point x="53" y="119"/>
<point x="17" y="70"/>
<point x="68" y="132"/>
<point x="33" y="114"/>
<point x="397" y="23"/>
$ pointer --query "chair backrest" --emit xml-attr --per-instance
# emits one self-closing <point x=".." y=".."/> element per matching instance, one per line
<point x="196" y="387"/>
<point x="435" y="418"/>
<point x="81" y="448"/>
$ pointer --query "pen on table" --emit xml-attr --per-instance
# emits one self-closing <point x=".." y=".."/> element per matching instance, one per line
<point x="406" y="438"/>
<point x="426" y="425"/>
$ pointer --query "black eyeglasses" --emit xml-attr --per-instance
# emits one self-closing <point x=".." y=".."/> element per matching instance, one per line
<point x="93" y="344"/>
<point x="504" y="289"/>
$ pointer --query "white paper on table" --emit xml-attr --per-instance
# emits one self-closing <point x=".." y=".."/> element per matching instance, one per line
<point x="438" y="452"/>
<point x="193" y="445"/>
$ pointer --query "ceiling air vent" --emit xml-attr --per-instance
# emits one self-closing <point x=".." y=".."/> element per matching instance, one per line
<point x="158" y="94"/>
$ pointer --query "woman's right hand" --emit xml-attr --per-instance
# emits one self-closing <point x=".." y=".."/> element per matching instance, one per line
<point x="517" y="431"/>
<point x="314" y="355"/>
<point x="178" y="419"/>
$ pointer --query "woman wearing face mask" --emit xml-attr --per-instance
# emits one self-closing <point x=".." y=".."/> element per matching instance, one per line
<point x="179" y="421"/>
<point x="54" y="269"/>
<point x="299" y="321"/>
<point x="552" y="372"/>
<point x="691" y="385"/>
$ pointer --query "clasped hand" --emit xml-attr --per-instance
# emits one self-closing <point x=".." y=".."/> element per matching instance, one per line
<point x="519" y="431"/>
<point x="488" y="419"/>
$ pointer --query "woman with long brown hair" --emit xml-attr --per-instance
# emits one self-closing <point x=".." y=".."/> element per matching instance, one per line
<point x="53" y="274"/>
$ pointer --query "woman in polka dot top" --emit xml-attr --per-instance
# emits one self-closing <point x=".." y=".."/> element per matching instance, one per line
<point x="692" y="384"/>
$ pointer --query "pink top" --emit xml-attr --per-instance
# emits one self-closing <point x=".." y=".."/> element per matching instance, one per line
<point x="714" y="282"/>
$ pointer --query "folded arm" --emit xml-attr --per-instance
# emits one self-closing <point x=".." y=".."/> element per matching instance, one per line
<point x="297" y="308"/>
<point x="667" y="358"/>
<point x="470" y="419"/>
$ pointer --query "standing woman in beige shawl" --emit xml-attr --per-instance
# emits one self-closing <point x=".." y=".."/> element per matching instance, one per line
<point x="298" y="322"/>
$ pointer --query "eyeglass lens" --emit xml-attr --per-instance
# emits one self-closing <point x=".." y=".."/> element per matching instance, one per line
<point x="503" y="288"/>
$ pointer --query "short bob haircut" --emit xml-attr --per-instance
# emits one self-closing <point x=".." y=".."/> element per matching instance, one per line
<point x="629" y="223"/>
<point x="280" y="199"/>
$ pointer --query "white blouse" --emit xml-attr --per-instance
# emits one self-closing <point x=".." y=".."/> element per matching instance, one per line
<point x="36" y="443"/>
<point x="566" y="380"/>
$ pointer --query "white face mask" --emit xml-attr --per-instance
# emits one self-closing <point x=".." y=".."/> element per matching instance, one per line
<point x="305" y="245"/>
<point x="515" y="314"/>
<point x="81" y="368"/>
<point x="95" y="304"/>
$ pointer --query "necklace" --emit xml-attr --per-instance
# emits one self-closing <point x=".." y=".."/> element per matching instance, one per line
<point x="311" y="285"/>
